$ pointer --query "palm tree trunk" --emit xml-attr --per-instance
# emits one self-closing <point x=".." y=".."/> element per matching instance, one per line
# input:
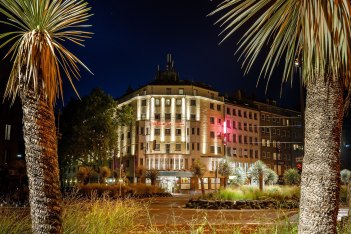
<point x="320" y="178"/>
<point x="203" y="186"/>
<point x="42" y="164"/>
<point x="260" y="180"/>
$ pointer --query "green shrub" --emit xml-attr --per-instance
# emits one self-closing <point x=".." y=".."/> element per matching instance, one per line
<point x="280" y="193"/>
<point x="345" y="176"/>
<point x="292" y="177"/>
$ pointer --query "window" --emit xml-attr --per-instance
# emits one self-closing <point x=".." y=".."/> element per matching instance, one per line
<point x="178" y="147"/>
<point x="141" y="146"/>
<point x="250" y="127"/>
<point x="229" y="153"/>
<point x="234" y="152"/>
<point x="198" y="146"/>
<point x="234" y="124"/>
<point x="251" y="153"/>
<point x="192" y="117"/>
<point x="192" y="146"/>
<point x="267" y="130"/>
<point x="239" y="113"/>
<point x="143" y="102"/>
<point x="219" y="121"/>
<point x="256" y="153"/>
<point x="228" y="111"/>
<point x="255" y="116"/>
<point x="187" y="147"/>
<point x="157" y="116"/>
<point x="192" y="131"/>
<point x="262" y="117"/>
<point x="179" y="102"/>
<point x="180" y="91"/>
<point x="193" y="102"/>
<point x="267" y="119"/>
<point x="212" y="149"/>
<point x="178" y="117"/>
<point x="250" y="140"/>
<point x="212" y="120"/>
<point x="240" y="139"/>
<point x="278" y="132"/>
<point x="198" y="131"/>
<point x="167" y="131"/>
<point x="273" y="131"/>
<point x="250" y="115"/>
<point x="219" y="107"/>
<point x="187" y="131"/>
<point x="228" y="123"/>
<point x="178" y="131"/>
<point x="168" y="116"/>
<point x="245" y="115"/>
<point x="157" y="102"/>
<point x="234" y="111"/>
<point x="245" y="153"/>
<point x="212" y="134"/>
<point x="142" y="130"/>
<point x="211" y="106"/>
<point x="255" y="128"/>
<point x="122" y="136"/>
<point x="239" y="125"/>
<point x="268" y="155"/>
<point x="157" y="131"/>
<point x="128" y="135"/>
<point x="268" y="143"/>
<point x="256" y="141"/>
<point x="7" y="132"/>
<point x="168" y="91"/>
<point x="168" y="102"/>
<point x="263" y="142"/>
<point x="245" y="126"/>
<point x="157" y="147"/>
<point x="219" y="149"/>
<point x="245" y="139"/>
<point x="234" y="138"/>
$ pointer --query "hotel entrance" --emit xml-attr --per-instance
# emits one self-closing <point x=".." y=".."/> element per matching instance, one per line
<point x="168" y="183"/>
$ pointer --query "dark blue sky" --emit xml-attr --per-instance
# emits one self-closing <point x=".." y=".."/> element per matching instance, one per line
<point x="133" y="37"/>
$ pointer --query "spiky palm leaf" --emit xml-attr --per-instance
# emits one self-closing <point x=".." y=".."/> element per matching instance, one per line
<point x="40" y="27"/>
<point x="316" y="31"/>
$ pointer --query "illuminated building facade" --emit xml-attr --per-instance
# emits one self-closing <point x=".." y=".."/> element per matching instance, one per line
<point x="178" y="121"/>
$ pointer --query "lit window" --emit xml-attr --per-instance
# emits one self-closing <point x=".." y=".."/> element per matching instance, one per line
<point x="179" y="102"/>
<point x="181" y="91"/>
<point x="157" y="102"/>
<point x="168" y="102"/>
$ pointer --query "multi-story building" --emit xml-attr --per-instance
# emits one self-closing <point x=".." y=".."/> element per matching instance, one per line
<point x="242" y="136"/>
<point x="178" y="121"/>
<point x="281" y="136"/>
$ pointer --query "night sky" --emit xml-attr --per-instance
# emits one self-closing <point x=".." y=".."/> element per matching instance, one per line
<point x="133" y="37"/>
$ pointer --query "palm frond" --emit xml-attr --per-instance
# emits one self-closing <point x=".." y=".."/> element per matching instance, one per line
<point x="37" y="51"/>
<point x="317" y="30"/>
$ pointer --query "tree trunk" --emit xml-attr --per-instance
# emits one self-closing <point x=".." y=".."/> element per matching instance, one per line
<point x="320" y="179"/>
<point x="225" y="182"/>
<point x="42" y="164"/>
<point x="203" y="186"/>
<point x="260" y="180"/>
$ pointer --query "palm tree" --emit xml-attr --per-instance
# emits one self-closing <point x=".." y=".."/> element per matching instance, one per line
<point x="40" y="27"/>
<point x="258" y="171"/>
<point x="152" y="175"/>
<point x="225" y="170"/>
<point x="199" y="169"/>
<point x="317" y="33"/>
